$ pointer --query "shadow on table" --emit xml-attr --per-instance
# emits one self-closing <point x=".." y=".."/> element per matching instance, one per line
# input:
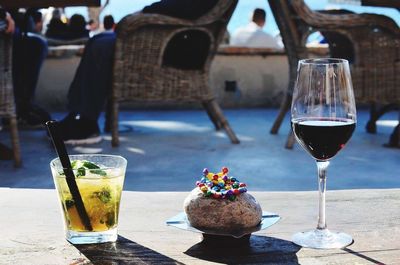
<point x="363" y="256"/>
<point x="259" y="250"/>
<point x="124" y="251"/>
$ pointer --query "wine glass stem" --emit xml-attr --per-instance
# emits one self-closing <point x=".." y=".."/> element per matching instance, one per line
<point x="322" y="168"/>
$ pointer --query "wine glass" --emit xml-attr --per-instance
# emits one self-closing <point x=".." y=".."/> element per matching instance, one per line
<point x="323" y="120"/>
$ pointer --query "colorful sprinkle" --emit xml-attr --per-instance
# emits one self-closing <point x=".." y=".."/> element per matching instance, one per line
<point x="220" y="186"/>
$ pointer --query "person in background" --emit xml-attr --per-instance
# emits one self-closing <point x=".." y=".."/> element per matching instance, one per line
<point x="56" y="28"/>
<point x="90" y="87"/>
<point x="108" y="24"/>
<point x="92" y="27"/>
<point x="38" y="22"/>
<point x="92" y="82"/>
<point x="29" y="52"/>
<point x="94" y="17"/>
<point x="77" y="27"/>
<point x="7" y="24"/>
<point x="252" y="34"/>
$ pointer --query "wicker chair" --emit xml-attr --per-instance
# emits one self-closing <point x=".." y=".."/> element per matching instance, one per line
<point x="7" y="105"/>
<point x="374" y="57"/>
<point x="142" y="70"/>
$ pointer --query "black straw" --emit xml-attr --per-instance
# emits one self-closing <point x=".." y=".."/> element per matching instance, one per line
<point x="59" y="145"/>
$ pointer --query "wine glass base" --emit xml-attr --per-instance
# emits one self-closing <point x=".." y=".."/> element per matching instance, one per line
<point x="322" y="239"/>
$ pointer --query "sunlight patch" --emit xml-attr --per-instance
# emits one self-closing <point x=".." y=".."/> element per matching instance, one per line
<point x="221" y="134"/>
<point x="121" y="138"/>
<point x="87" y="150"/>
<point x="244" y="138"/>
<point x="136" y="150"/>
<point x="356" y="158"/>
<point x="174" y="126"/>
<point x="387" y="123"/>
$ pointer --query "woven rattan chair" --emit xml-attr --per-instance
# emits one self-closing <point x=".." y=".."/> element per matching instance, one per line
<point x="374" y="55"/>
<point x="143" y="70"/>
<point x="7" y="105"/>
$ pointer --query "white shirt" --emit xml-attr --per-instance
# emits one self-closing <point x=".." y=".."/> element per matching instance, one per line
<point x="99" y="31"/>
<point x="252" y="35"/>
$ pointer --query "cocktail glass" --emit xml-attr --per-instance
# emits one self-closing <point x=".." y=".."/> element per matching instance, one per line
<point x="100" y="189"/>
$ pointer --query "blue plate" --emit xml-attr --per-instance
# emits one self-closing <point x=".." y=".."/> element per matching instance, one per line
<point x="180" y="221"/>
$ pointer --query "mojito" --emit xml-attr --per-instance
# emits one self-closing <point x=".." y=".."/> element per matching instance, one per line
<point x="100" y="186"/>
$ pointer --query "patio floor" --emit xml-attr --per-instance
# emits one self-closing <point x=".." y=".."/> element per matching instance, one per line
<point x="167" y="151"/>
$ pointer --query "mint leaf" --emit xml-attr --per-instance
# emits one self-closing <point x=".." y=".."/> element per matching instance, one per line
<point x="73" y="163"/>
<point x="81" y="172"/>
<point x="104" y="195"/>
<point x="110" y="219"/>
<point x="69" y="203"/>
<point x="98" y="172"/>
<point x="90" y="165"/>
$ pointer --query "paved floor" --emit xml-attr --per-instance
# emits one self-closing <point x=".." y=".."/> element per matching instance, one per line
<point x="167" y="150"/>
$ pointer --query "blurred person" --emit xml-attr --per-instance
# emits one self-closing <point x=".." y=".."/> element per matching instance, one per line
<point x="29" y="52"/>
<point x="56" y="28"/>
<point x="252" y="34"/>
<point x="108" y="23"/>
<point x="92" y="27"/>
<point x="7" y="24"/>
<point x="91" y="85"/>
<point x="77" y="27"/>
<point x="38" y="22"/>
<point x="89" y="89"/>
<point x="94" y="15"/>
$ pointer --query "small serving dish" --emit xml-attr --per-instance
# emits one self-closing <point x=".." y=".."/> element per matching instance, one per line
<point x="180" y="221"/>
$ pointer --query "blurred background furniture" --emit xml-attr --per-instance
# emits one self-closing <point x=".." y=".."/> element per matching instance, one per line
<point x="370" y="42"/>
<point x="46" y="3"/>
<point x="385" y="3"/>
<point x="7" y="105"/>
<point x="147" y="68"/>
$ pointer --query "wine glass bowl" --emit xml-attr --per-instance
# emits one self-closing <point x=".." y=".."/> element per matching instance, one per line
<point x="323" y="138"/>
<point x="323" y="116"/>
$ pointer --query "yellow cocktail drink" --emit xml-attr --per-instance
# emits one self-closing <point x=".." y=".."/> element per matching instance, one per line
<point x="100" y="186"/>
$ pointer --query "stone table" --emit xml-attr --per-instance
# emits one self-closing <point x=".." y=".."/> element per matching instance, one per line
<point x="31" y="231"/>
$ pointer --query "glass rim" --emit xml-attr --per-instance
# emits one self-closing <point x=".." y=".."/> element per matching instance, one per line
<point x="323" y="61"/>
<point x="52" y="162"/>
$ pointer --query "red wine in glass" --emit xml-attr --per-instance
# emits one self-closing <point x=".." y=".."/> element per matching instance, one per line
<point x="323" y="137"/>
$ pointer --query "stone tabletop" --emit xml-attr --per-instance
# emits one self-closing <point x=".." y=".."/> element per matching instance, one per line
<point x="31" y="231"/>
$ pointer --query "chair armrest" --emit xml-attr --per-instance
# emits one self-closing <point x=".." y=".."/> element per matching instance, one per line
<point x="134" y="21"/>
<point x="335" y="21"/>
